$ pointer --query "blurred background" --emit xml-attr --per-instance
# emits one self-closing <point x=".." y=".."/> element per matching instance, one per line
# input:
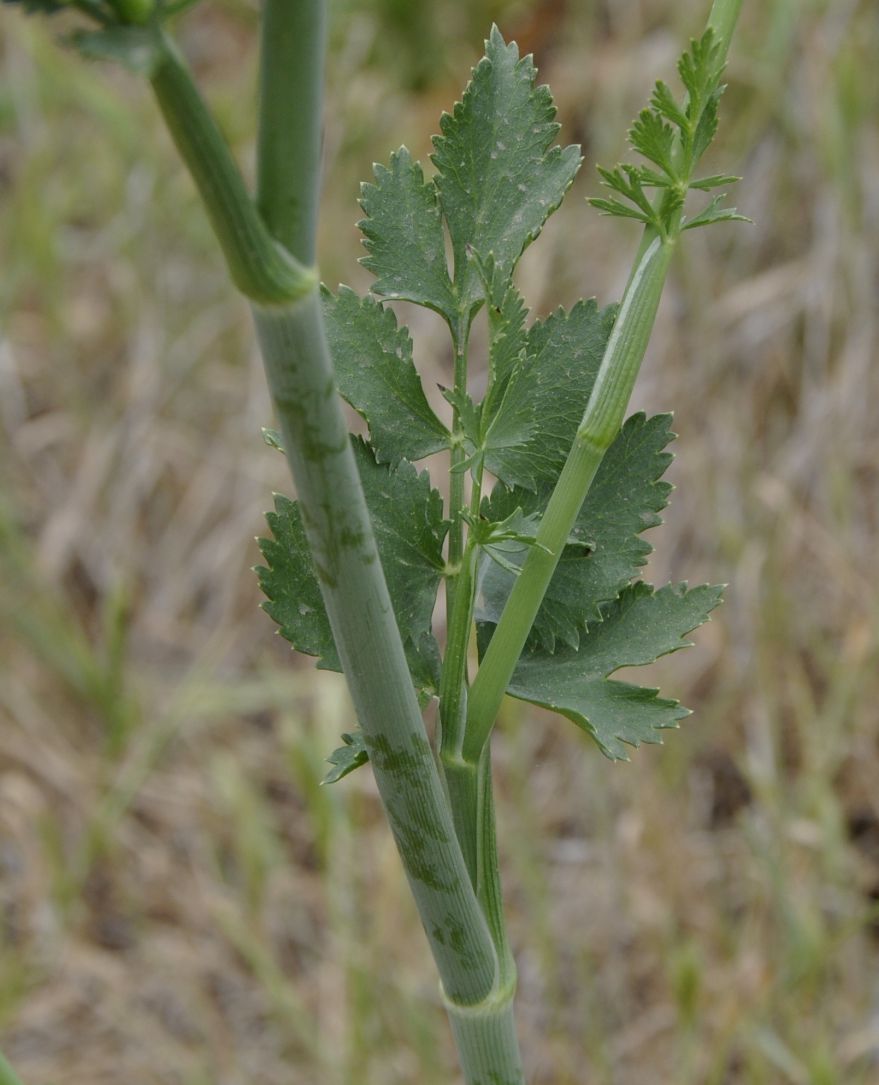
<point x="179" y="901"/>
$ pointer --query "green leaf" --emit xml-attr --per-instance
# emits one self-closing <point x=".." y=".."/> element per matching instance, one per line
<point x="376" y="375"/>
<point x="664" y="103"/>
<point x="403" y="235"/>
<point x="134" y="47"/>
<point x="273" y="438"/>
<point x="654" y="139"/>
<point x="700" y="68"/>
<point x="619" y="209"/>
<point x="507" y="336"/>
<point x="625" y="499"/>
<point x="409" y="530"/>
<point x="714" y="213"/>
<point x="706" y="129"/>
<point x="346" y="758"/>
<point x="497" y="178"/>
<point x="550" y="386"/>
<point x="719" y="180"/>
<point x="637" y="628"/>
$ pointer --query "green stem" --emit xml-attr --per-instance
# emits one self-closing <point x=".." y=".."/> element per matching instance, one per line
<point x="486" y="1039"/>
<point x="601" y="422"/>
<point x="460" y="779"/>
<point x="722" y="20"/>
<point x="288" y="154"/>
<point x="300" y="376"/>
<point x="340" y="535"/>
<point x="261" y="269"/>
<point x="460" y="335"/>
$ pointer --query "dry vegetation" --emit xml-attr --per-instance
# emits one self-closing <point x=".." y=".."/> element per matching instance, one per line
<point x="179" y="902"/>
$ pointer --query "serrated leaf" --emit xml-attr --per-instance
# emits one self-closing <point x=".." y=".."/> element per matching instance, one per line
<point x="348" y="757"/>
<point x="497" y="177"/>
<point x="376" y="375"/>
<point x="134" y="47"/>
<point x="654" y="139"/>
<point x="625" y="499"/>
<point x="637" y="628"/>
<point x="619" y="209"/>
<point x="706" y="129"/>
<point x="507" y="337"/>
<point x="403" y="235"/>
<point x="700" y="67"/>
<point x="551" y="385"/>
<point x="407" y="519"/>
<point x="663" y="101"/>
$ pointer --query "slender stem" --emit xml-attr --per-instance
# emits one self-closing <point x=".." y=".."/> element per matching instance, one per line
<point x="460" y="336"/>
<point x="260" y="268"/>
<point x="488" y="881"/>
<point x="291" y="89"/>
<point x="601" y="422"/>
<point x="460" y="779"/>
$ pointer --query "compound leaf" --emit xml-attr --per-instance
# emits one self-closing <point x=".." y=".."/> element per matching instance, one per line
<point x="403" y="235"/>
<point x="625" y="499"/>
<point x="498" y="179"/>
<point x="551" y="385"/>
<point x="409" y="530"/>
<point x="637" y="628"/>
<point x="376" y="374"/>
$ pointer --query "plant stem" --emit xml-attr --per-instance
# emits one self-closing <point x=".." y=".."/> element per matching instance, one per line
<point x="722" y="20"/>
<point x="353" y="587"/>
<point x="290" y="108"/>
<point x="485" y="1036"/>
<point x="460" y="778"/>
<point x="301" y="381"/>
<point x="261" y="269"/>
<point x="601" y="422"/>
<point x="604" y="415"/>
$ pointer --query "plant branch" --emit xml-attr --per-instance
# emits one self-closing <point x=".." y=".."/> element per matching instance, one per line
<point x="291" y="91"/>
<point x="261" y="269"/>
<point x="290" y="328"/>
<point x="355" y="595"/>
<point x="604" y="415"/>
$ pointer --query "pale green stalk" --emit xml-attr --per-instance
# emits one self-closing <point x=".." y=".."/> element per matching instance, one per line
<point x="289" y="323"/>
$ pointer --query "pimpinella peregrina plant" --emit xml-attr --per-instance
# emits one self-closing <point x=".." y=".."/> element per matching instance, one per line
<point x="539" y="548"/>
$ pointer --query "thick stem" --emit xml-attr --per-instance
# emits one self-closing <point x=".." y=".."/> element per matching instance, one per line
<point x="601" y="422"/>
<point x="261" y="269"/>
<point x="487" y="1044"/>
<point x="352" y="583"/>
<point x="288" y="154"/>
